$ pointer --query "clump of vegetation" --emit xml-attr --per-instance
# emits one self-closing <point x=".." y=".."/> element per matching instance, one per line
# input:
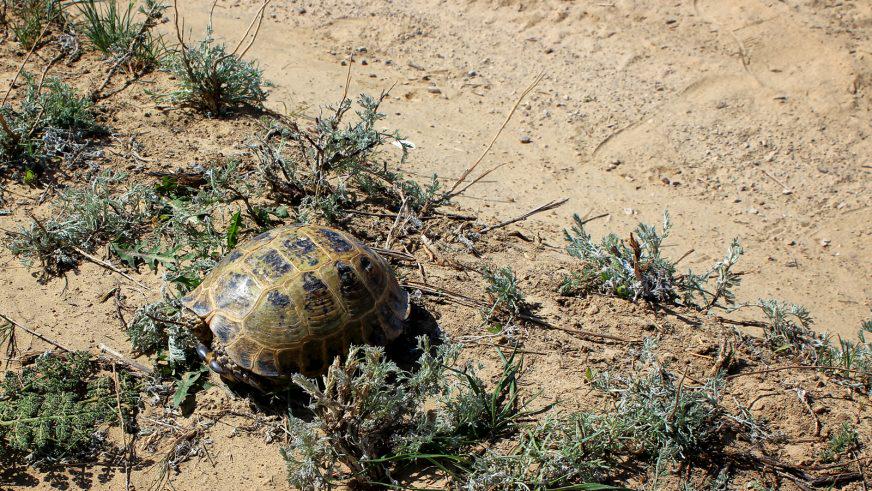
<point x="789" y="327"/>
<point x="557" y="453"/>
<point x="83" y="220"/>
<point x="114" y="31"/>
<point x="156" y="330"/>
<point x="170" y="225"/>
<point x="51" y="117"/>
<point x="54" y="409"/>
<point x="636" y="269"/>
<point x="213" y="79"/>
<point x="32" y="17"/>
<point x="696" y="290"/>
<point x="845" y="439"/>
<point x="371" y="416"/>
<point x="853" y="358"/>
<point x="788" y="330"/>
<point x="633" y="270"/>
<point x="654" y="417"/>
<point x="661" y="417"/>
<point x="332" y="166"/>
<point x="191" y="230"/>
<point x="507" y="299"/>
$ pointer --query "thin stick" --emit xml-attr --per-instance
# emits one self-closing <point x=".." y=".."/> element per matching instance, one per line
<point x="347" y="84"/>
<point x="598" y="335"/>
<point x="470" y="302"/>
<point x="682" y="257"/>
<point x="480" y="177"/>
<point x="770" y="176"/>
<point x="123" y="360"/>
<point x="258" y="15"/>
<point x="108" y="266"/>
<point x="546" y="207"/>
<point x="34" y="333"/>
<point x="597" y="217"/>
<point x="677" y="396"/>
<point x="451" y="192"/>
<point x="800" y="367"/>
<point x="405" y="256"/>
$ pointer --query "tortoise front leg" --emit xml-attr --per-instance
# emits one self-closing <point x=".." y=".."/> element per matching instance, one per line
<point x="227" y="369"/>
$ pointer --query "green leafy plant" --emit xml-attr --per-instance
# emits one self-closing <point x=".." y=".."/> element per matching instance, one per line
<point x="478" y="413"/>
<point x="363" y="405"/>
<point x="844" y="440"/>
<point x="31" y="18"/>
<point x="337" y="164"/>
<point x="213" y="79"/>
<point x="507" y="299"/>
<point x="53" y="410"/>
<point x="633" y="270"/>
<point x="82" y="220"/>
<point x="558" y="453"/>
<point x="47" y="126"/>
<point x="789" y="327"/>
<point x="371" y="416"/>
<point x="854" y="358"/>
<point x="636" y="269"/>
<point x="663" y="418"/>
<point x="51" y="118"/>
<point x="114" y="31"/>
<point x="187" y="385"/>
<point x="695" y="288"/>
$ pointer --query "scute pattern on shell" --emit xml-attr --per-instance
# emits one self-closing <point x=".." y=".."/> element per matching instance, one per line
<point x="292" y="298"/>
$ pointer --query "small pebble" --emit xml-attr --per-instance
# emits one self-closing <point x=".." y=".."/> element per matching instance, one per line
<point x="471" y="73"/>
<point x="526" y="139"/>
<point x="300" y="10"/>
<point x="825" y="242"/>
<point x="434" y="90"/>
<point x="790" y="242"/>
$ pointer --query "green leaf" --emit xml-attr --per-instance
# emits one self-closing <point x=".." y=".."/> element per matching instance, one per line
<point x="233" y="230"/>
<point x="29" y="177"/>
<point x="151" y="257"/>
<point x="184" y="385"/>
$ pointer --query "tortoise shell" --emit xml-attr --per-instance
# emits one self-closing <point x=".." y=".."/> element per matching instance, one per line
<point x="293" y="298"/>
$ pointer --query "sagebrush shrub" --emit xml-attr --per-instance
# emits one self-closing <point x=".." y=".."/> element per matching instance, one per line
<point x="213" y="80"/>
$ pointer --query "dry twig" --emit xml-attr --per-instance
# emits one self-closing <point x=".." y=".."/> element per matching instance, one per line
<point x="539" y="209"/>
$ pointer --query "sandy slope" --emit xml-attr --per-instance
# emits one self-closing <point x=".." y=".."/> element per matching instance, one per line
<point x="710" y="109"/>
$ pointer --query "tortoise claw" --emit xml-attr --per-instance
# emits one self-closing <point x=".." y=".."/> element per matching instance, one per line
<point x="216" y="367"/>
<point x="202" y="351"/>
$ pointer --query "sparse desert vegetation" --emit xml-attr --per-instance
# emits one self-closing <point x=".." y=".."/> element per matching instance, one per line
<point x="136" y="157"/>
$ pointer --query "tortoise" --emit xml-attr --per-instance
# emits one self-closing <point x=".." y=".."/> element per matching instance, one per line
<point x="289" y="301"/>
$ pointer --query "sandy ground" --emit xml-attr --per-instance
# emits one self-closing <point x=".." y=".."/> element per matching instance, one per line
<point x="745" y="119"/>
